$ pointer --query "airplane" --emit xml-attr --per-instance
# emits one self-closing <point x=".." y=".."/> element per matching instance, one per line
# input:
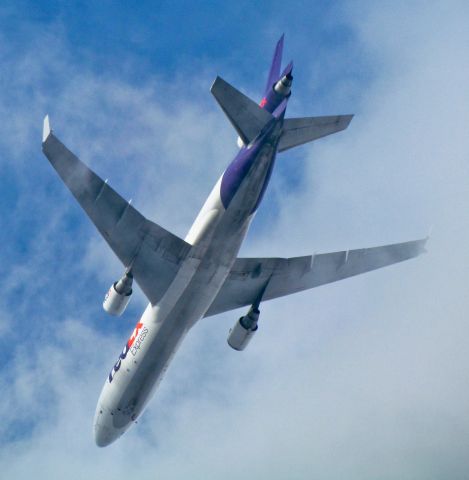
<point x="186" y="280"/>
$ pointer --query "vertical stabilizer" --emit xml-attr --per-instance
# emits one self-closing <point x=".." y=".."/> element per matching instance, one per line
<point x="274" y="72"/>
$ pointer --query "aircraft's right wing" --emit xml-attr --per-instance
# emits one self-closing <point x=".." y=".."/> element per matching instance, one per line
<point x="283" y="276"/>
<point x="153" y="253"/>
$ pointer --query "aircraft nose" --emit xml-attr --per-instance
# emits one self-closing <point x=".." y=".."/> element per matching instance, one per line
<point x="104" y="431"/>
<point x="103" y="436"/>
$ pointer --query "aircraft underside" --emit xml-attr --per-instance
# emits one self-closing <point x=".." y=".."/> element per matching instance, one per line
<point x="186" y="280"/>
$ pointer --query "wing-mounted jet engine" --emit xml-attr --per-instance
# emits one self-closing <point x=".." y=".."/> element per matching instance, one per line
<point x="244" y="329"/>
<point x="118" y="296"/>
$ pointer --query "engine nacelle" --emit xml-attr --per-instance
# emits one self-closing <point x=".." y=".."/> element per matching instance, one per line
<point x="244" y="329"/>
<point x="118" y="296"/>
<point x="283" y="86"/>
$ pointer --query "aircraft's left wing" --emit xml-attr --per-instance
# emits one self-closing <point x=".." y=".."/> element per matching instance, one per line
<point x="153" y="253"/>
<point x="283" y="276"/>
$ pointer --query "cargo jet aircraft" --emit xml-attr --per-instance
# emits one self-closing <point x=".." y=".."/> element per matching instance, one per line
<point x="186" y="280"/>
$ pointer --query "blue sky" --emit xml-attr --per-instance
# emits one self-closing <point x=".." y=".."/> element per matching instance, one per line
<point x="366" y="378"/>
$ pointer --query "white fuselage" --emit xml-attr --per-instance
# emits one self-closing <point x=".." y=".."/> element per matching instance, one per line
<point x="216" y="237"/>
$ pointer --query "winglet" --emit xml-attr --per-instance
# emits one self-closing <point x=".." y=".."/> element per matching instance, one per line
<point x="429" y="234"/>
<point x="426" y="239"/>
<point x="46" y="130"/>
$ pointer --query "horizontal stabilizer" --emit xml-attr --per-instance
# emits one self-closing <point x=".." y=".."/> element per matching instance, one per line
<point x="246" y="116"/>
<point x="297" y="131"/>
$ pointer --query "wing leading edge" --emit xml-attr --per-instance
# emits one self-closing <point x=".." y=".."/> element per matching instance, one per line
<point x="153" y="253"/>
<point x="290" y="275"/>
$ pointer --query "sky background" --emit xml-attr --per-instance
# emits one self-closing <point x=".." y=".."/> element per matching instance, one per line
<point x="367" y="378"/>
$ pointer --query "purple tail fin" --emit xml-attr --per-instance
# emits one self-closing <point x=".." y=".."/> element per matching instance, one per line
<point x="274" y="72"/>
<point x="288" y="69"/>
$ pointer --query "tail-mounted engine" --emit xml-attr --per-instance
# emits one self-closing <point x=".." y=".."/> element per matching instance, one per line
<point x="244" y="329"/>
<point x="283" y="86"/>
<point x="118" y="296"/>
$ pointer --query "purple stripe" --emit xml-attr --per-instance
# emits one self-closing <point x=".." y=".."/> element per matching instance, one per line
<point x="264" y="187"/>
<point x="236" y="172"/>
